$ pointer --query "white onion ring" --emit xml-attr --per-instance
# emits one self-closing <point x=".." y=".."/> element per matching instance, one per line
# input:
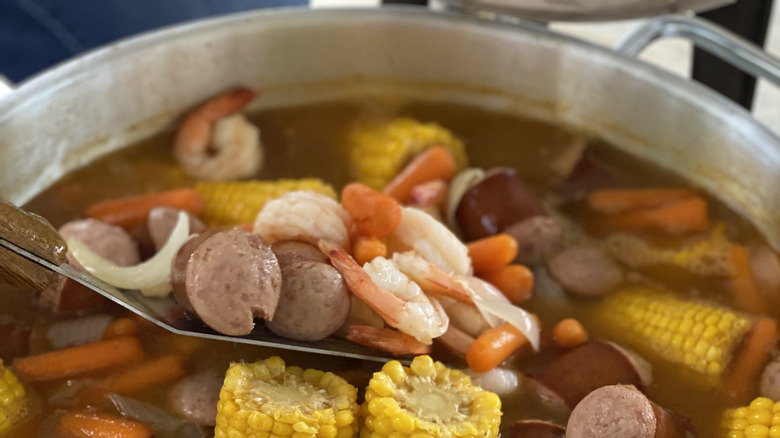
<point x="152" y="277"/>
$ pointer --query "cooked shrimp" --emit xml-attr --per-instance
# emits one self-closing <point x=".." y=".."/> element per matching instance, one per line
<point x="399" y="300"/>
<point x="306" y="216"/>
<point x="214" y="144"/>
<point x="393" y="341"/>
<point x="433" y="241"/>
<point x="430" y="278"/>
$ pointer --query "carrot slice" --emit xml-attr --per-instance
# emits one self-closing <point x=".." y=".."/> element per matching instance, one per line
<point x="132" y="211"/>
<point x="88" y="424"/>
<point x="686" y="216"/>
<point x="746" y="292"/>
<point x="366" y="249"/>
<point x="492" y="253"/>
<point x="569" y="333"/>
<point x="611" y="201"/>
<point x="515" y="281"/>
<point x="121" y="327"/>
<point x="741" y="381"/>
<point x="374" y="214"/>
<point x="493" y="346"/>
<point x="146" y="374"/>
<point x="433" y="163"/>
<point x="78" y="360"/>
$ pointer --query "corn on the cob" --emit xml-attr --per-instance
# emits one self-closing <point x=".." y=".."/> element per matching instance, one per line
<point x="761" y="418"/>
<point x="378" y="152"/>
<point x="427" y="400"/>
<point x="700" y="336"/>
<point x="237" y="202"/>
<point x="15" y="405"/>
<point x="269" y="399"/>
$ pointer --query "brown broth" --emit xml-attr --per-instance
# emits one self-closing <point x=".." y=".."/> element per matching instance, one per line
<point x="310" y="141"/>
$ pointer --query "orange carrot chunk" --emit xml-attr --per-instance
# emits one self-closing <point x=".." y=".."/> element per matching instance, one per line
<point x="569" y="333"/>
<point x="121" y="327"/>
<point x="515" y="281"/>
<point x="741" y="380"/>
<point x="374" y="214"/>
<point x="366" y="249"/>
<point x="94" y="425"/>
<point x="686" y="216"/>
<point x="492" y="253"/>
<point x="78" y="360"/>
<point x="146" y="374"/>
<point x="132" y="211"/>
<point x="493" y="346"/>
<point x="433" y="163"/>
<point x="746" y="292"/>
<point x="611" y="201"/>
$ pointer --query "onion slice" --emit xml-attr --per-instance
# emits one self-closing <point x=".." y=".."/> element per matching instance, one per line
<point x="152" y="277"/>
<point x="496" y="309"/>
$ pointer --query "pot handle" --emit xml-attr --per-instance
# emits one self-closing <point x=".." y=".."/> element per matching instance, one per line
<point x="707" y="36"/>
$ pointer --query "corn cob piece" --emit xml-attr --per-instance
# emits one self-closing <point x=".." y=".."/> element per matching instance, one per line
<point x="15" y="405"/>
<point x="700" y="336"/>
<point x="269" y="399"/>
<point x="378" y="152"/>
<point x="229" y="203"/>
<point x="761" y="418"/>
<point x="427" y="399"/>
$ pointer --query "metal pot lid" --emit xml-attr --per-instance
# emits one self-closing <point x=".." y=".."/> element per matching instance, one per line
<point x="585" y="10"/>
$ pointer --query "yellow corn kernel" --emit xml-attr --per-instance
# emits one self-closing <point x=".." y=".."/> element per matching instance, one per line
<point x="268" y="399"/>
<point x="758" y="419"/>
<point x="15" y="405"/>
<point x="700" y="336"/>
<point x="380" y="151"/>
<point x="229" y="203"/>
<point x="421" y="404"/>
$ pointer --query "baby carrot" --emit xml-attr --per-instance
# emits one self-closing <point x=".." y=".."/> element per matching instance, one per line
<point x="78" y="360"/>
<point x="569" y="333"/>
<point x="88" y="424"/>
<point x="374" y="214"/>
<point x="740" y="382"/>
<point x="746" y="292"/>
<point x="515" y="281"/>
<point x="688" y="215"/>
<point x="146" y="374"/>
<point x="433" y="163"/>
<point x="492" y="252"/>
<point x="132" y="211"/>
<point x="611" y="201"/>
<point x="493" y="346"/>
<point x="121" y="327"/>
<point x="366" y="249"/>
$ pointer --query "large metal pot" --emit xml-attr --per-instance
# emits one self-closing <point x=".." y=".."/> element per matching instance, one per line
<point x="101" y="102"/>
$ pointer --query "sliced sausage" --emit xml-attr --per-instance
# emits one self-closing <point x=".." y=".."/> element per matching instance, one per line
<point x="14" y="341"/>
<point x="314" y="301"/>
<point x="195" y="398"/>
<point x="623" y="411"/>
<point x="179" y="268"/>
<point x="576" y="373"/>
<point x="582" y="270"/>
<point x="230" y="277"/>
<point x="497" y="201"/>
<point x="291" y="251"/>
<point x="770" y="381"/>
<point x="533" y="429"/>
<point x="162" y="220"/>
<point x="766" y="268"/>
<point x="537" y="237"/>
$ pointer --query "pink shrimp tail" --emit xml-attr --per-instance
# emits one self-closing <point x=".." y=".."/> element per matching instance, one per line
<point x="226" y="104"/>
<point x="391" y="341"/>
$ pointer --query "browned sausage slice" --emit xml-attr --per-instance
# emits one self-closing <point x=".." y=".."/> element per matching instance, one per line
<point x="162" y="220"/>
<point x="497" y="201"/>
<point x="533" y="429"/>
<point x="195" y="398"/>
<point x="623" y="411"/>
<point x="230" y="278"/>
<point x="576" y="373"/>
<point x="291" y="251"/>
<point x="179" y="268"/>
<point x="582" y="270"/>
<point x="537" y="237"/>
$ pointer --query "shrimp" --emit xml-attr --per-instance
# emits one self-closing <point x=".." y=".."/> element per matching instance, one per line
<point x="212" y="146"/>
<point x="430" y="278"/>
<point x="393" y="341"/>
<point x="306" y="216"/>
<point x="399" y="300"/>
<point x="433" y="241"/>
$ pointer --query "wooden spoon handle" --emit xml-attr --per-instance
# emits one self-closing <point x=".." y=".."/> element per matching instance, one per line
<point x="34" y="234"/>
